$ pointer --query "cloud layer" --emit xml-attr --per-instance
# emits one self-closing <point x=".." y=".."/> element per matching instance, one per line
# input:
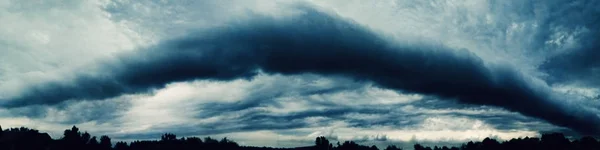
<point x="575" y="37"/>
<point x="313" y="42"/>
<point x="263" y="110"/>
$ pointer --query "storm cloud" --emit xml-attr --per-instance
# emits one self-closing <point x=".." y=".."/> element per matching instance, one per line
<point x="313" y="42"/>
<point x="573" y="63"/>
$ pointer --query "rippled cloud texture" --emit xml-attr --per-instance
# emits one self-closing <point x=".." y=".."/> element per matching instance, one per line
<point x="374" y="72"/>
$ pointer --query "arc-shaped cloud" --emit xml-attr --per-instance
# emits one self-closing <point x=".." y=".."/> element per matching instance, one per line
<point x="314" y="42"/>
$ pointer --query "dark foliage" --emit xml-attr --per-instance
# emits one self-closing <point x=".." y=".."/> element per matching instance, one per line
<point x="73" y="139"/>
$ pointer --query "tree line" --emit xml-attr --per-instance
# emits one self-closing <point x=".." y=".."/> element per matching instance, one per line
<point x="73" y="139"/>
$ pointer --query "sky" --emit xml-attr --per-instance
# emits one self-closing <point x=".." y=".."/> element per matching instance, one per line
<point x="280" y="73"/>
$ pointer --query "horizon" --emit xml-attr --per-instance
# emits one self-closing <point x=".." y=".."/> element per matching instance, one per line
<point x="76" y="138"/>
<point x="280" y="73"/>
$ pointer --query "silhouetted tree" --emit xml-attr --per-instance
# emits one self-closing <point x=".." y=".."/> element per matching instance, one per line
<point x="168" y="137"/>
<point x="418" y="147"/>
<point x="321" y="143"/>
<point x="392" y="147"/>
<point x="373" y="147"/>
<point x="24" y="138"/>
<point x="121" y="146"/>
<point x="351" y="145"/>
<point x="228" y="144"/>
<point x="490" y="144"/>
<point x="29" y="139"/>
<point x="470" y="146"/>
<point x="72" y="135"/>
<point x="555" y="141"/>
<point x="85" y="140"/>
<point x="105" y="143"/>
<point x="587" y="143"/>
<point x="93" y="144"/>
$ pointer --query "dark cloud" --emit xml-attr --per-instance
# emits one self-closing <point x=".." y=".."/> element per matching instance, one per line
<point x="579" y="64"/>
<point x="314" y="42"/>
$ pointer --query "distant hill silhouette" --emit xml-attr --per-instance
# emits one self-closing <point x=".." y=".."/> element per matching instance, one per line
<point x="30" y="139"/>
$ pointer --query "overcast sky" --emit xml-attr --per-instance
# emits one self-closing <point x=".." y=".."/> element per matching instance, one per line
<point x="280" y="73"/>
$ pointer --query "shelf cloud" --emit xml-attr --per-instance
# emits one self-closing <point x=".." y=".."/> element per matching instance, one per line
<point x="314" y="42"/>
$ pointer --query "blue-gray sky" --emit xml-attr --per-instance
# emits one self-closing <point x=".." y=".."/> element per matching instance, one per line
<point x="279" y="73"/>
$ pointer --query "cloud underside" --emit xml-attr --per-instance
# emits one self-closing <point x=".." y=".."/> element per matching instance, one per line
<point x="263" y="110"/>
<point x="317" y="43"/>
